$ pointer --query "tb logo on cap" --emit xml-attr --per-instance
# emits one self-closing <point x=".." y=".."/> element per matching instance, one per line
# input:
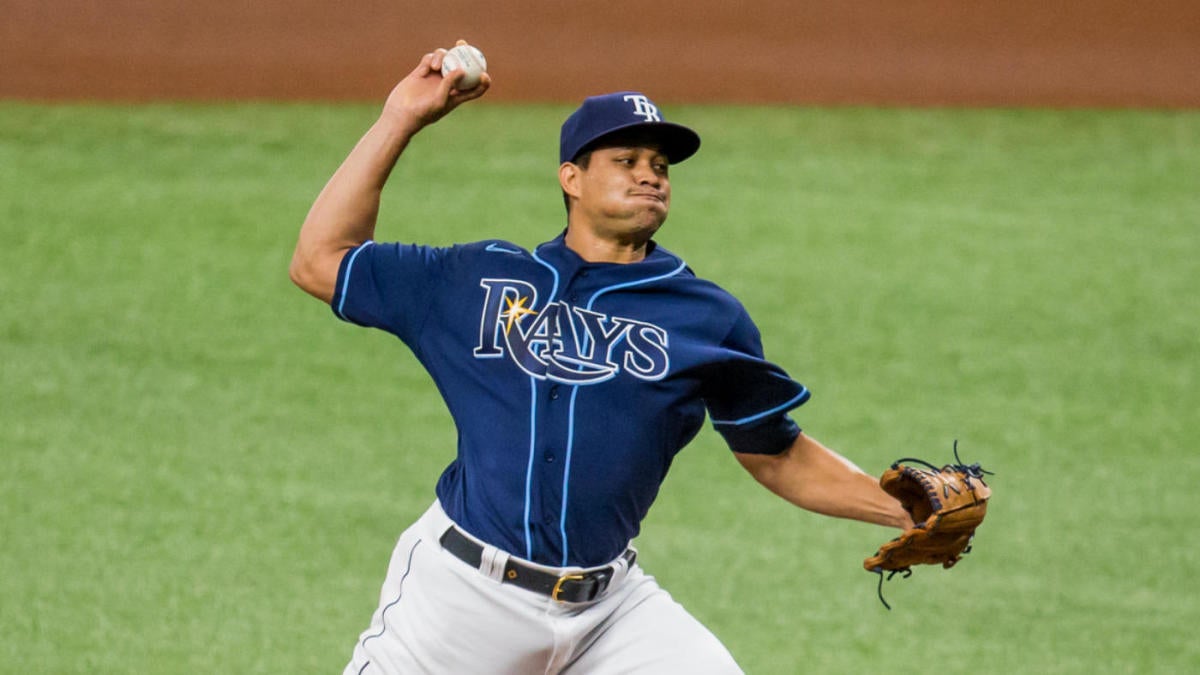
<point x="643" y="106"/>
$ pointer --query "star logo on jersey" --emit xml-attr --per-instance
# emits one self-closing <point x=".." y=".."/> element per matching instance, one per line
<point x="515" y="311"/>
<point x="564" y="342"/>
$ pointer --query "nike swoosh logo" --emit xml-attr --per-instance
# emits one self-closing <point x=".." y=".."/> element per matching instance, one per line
<point x="497" y="248"/>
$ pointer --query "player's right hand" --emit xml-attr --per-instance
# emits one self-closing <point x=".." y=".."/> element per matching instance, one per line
<point x="424" y="96"/>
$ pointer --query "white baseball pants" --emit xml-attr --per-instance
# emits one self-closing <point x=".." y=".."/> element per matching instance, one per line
<point x="438" y="615"/>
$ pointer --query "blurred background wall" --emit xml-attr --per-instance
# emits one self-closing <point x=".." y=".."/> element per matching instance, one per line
<point x="903" y="52"/>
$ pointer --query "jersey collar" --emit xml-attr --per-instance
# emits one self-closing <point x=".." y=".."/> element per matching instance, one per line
<point x="658" y="261"/>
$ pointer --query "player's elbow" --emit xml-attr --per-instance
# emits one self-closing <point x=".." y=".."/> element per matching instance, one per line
<point x="296" y="271"/>
<point x="296" y="268"/>
<point x="308" y="275"/>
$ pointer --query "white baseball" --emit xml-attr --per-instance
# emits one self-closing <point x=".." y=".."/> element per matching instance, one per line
<point x="467" y="58"/>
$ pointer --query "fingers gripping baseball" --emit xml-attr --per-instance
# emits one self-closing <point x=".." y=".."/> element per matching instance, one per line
<point x="464" y="65"/>
<point x="425" y="96"/>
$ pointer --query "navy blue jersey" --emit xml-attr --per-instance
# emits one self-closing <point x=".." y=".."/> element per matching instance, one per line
<point x="572" y="384"/>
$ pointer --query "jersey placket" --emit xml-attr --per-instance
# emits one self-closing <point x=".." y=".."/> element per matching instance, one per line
<point x="552" y="446"/>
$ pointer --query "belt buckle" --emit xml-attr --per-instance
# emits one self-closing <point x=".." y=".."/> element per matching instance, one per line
<point x="558" y="585"/>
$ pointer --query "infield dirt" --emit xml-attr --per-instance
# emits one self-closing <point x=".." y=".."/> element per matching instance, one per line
<point x="924" y="52"/>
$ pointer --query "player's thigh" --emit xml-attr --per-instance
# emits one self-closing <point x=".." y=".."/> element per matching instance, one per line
<point x="651" y="633"/>
<point x="437" y="615"/>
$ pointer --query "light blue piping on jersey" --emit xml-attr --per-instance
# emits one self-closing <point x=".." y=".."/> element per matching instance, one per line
<point x="799" y="398"/>
<point x="529" y="466"/>
<point x="566" y="485"/>
<point x="346" y="279"/>
<point x="554" y="290"/>
<point x="638" y="282"/>
<point x="533" y="425"/>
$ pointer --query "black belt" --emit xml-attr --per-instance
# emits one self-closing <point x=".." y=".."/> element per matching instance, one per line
<point x="583" y="586"/>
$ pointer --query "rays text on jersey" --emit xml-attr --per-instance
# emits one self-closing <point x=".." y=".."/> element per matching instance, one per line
<point x="564" y="342"/>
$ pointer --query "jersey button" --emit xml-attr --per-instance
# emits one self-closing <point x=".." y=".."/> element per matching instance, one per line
<point x="554" y="393"/>
<point x="549" y="457"/>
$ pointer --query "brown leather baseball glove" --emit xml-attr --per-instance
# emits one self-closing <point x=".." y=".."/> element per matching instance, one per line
<point x="946" y="506"/>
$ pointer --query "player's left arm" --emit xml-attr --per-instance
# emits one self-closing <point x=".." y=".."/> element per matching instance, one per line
<point x="818" y="479"/>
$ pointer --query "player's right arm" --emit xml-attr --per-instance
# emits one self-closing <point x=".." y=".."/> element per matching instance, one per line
<point x="345" y="212"/>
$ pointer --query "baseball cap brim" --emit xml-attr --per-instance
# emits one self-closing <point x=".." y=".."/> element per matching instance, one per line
<point x="676" y="141"/>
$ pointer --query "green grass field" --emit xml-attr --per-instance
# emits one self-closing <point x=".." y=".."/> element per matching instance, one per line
<point x="202" y="471"/>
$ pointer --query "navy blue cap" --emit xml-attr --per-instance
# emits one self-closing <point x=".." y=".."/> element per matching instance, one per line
<point x="600" y="116"/>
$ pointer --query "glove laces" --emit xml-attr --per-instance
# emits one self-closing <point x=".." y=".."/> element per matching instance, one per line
<point x="907" y="572"/>
<point x="970" y="470"/>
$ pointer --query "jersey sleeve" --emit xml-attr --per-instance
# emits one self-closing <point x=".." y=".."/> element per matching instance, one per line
<point x="387" y="286"/>
<point x="748" y="397"/>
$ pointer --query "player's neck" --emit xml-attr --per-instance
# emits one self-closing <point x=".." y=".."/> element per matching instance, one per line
<point x="596" y="248"/>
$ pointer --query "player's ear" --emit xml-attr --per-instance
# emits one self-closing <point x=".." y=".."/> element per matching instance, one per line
<point x="568" y="178"/>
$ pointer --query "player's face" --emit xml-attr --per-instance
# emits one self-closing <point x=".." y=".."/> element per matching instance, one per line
<point x="625" y="190"/>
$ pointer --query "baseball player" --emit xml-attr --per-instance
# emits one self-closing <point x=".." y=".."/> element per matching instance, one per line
<point x="574" y="373"/>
